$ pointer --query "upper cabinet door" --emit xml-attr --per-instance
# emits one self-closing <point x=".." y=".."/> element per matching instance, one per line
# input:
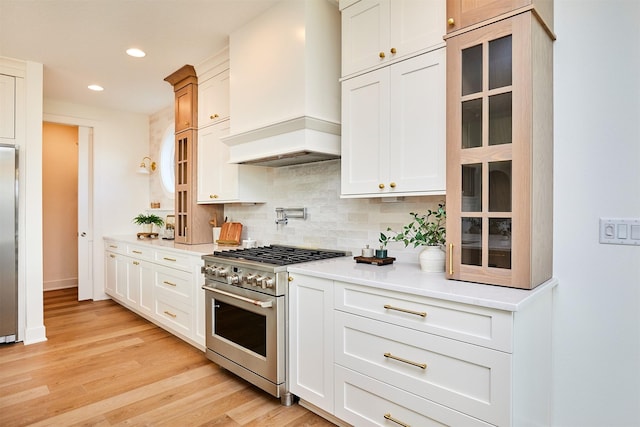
<point x="380" y="32"/>
<point x="213" y="99"/>
<point x="185" y="102"/>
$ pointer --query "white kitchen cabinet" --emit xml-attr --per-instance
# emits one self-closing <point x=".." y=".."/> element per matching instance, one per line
<point x="311" y="340"/>
<point x="7" y="106"/>
<point x="380" y="32"/>
<point x="213" y="97"/>
<point x="393" y="129"/>
<point x="161" y="285"/>
<point x="220" y="181"/>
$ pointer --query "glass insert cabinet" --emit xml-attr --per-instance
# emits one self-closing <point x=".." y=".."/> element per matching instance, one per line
<point x="499" y="153"/>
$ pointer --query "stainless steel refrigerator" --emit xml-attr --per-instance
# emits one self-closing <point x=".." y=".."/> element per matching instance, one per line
<point x="8" y="243"/>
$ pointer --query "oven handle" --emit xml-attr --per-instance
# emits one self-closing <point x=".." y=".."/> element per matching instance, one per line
<point x="263" y="304"/>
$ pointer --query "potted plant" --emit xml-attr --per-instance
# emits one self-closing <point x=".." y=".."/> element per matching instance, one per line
<point x="424" y="230"/>
<point x="148" y="221"/>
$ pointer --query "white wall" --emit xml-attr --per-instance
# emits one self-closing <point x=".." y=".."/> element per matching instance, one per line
<point x="597" y="157"/>
<point x="120" y="141"/>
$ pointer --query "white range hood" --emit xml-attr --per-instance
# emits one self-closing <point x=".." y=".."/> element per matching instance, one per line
<point x="284" y="85"/>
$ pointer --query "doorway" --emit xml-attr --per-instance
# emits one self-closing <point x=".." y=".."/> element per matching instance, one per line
<point x="66" y="202"/>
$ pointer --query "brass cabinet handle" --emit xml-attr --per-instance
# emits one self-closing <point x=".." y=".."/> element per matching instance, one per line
<point x="381" y="55"/>
<point x="404" y="310"/>
<point x="137" y="252"/>
<point x="450" y="259"/>
<point x="381" y="186"/>
<point x="213" y="196"/>
<point x="169" y="283"/>
<point x="168" y="313"/>
<point x="112" y="255"/>
<point x="215" y="116"/>
<point x="408" y="362"/>
<point x="113" y="246"/>
<point x="392" y="185"/>
<point x="290" y="279"/>
<point x="451" y="21"/>
<point x="170" y="259"/>
<point x="388" y="416"/>
<point x="393" y="50"/>
<point x="136" y="263"/>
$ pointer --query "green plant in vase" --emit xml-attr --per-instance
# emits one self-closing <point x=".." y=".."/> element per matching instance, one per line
<point x="148" y="221"/>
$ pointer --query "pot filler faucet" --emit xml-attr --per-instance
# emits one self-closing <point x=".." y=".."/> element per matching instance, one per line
<point x="283" y="214"/>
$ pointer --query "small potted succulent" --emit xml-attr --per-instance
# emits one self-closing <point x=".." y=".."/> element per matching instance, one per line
<point x="424" y="230"/>
<point x="148" y="221"/>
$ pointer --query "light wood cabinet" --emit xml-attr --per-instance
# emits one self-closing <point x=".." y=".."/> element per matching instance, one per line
<point x="462" y="14"/>
<point x="311" y="340"/>
<point x="162" y="286"/>
<point x="500" y="153"/>
<point x="378" y="32"/>
<point x="393" y="129"/>
<point x="192" y="220"/>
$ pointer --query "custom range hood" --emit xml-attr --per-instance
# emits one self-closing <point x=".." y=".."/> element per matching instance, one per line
<point x="284" y="85"/>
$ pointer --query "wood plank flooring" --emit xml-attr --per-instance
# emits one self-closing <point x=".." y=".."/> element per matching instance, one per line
<point x="105" y="366"/>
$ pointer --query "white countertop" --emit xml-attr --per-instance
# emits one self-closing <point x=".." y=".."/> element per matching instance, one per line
<point x="408" y="278"/>
<point x="170" y="245"/>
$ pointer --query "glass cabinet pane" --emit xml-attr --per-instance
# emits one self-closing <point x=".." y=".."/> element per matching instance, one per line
<point x="471" y="248"/>
<point x="500" y="123"/>
<point x="472" y="70"/>
<point x="500" y="243"/>
<point x="500" y="186"/>
<point x="472" y="188"/>
<point x="472" y="123"/>
<point x="500" y="60"/>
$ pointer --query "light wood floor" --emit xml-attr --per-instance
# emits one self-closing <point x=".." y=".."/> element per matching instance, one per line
<point x="104" y="366"/>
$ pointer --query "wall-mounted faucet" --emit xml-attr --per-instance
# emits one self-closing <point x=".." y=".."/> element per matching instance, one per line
<point x="283" y="214"/>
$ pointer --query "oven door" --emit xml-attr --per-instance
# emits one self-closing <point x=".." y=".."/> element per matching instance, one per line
<point x="247" y="328"/>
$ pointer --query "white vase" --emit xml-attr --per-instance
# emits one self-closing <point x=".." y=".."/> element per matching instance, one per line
<point x="147" y="228"/>
<point x="432" y="259"/>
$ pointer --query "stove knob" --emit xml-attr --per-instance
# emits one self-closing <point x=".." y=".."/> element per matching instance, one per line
<point x="222" y="272"/>
<point x="209" y="270"/>
<point x="267" y="282"/>
<point x="258" y="280"/>
<point x="233" y="279"/>
<point x="250" y="279"/>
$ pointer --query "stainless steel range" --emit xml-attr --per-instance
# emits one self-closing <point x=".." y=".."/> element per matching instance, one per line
<point x="246" y="311"/>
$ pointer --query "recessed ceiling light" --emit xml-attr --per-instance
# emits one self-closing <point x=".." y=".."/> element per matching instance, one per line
<point x="96" y="88"/>
<point x="136" y="53"/>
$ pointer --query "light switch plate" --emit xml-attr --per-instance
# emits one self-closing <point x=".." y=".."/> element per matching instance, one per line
<point x="620" y="231"/>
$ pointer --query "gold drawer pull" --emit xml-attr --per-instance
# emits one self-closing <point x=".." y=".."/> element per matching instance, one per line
<point x="169" y="259"/>
<point x="213" y="116"/>
<point x="136" y="263"/>
<point x="169" y="283"/>
<point x="113" y="246"/>
<point x="112" y="255"/>
<point x="404" y="310"/>
<point x="388" y="416"/>
<point x="410" y="362"/>
<point x="168" y="313"/>
<point x="137" y="252"/>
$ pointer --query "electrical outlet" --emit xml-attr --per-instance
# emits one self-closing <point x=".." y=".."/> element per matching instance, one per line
<point x="620" y="231"/>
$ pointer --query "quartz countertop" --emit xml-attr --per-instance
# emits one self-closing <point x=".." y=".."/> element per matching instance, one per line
<point x="408" y="278"/>
<point x="171" y="245"/>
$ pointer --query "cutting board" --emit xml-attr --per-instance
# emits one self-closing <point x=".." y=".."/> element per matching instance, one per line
<point x="230" y="234"/>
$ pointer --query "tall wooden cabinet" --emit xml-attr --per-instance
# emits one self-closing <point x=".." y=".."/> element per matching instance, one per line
<point x="192" y="220"/>
<point x="500" y="153"/>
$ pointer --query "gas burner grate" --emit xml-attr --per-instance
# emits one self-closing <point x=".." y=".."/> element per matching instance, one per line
<point x="280" y="255"/>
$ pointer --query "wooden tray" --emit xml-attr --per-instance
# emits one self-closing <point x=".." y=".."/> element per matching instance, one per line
<point x="374" y="260"/>
<point x="147" y="236"/>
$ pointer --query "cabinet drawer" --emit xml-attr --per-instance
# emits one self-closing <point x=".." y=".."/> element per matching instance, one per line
<point x="116" y="247"/>
<point x="140" y="252"/>
<point x="472" y="324"/>
<point x="363" y="401"/>
<point x="176" y="283"/>
<point x="173" y="314"/>
<point x="174" y="260"/>
<point x="465" y="377"/>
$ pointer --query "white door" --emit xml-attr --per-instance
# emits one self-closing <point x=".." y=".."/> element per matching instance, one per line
<point x="85" y="223"/>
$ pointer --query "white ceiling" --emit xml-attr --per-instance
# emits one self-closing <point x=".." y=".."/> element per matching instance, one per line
<point x="83" y="42"/>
